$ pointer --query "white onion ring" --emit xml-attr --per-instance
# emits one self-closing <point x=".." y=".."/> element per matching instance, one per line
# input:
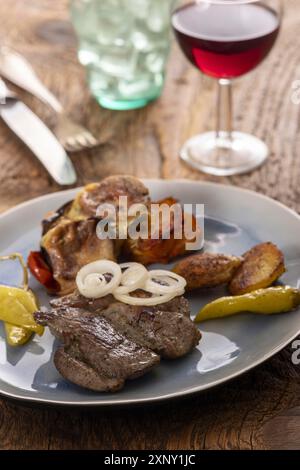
<point x="176" y="282"/>
<point x="92" y="284"/>
<point x="134" y="278"/>
<point x="142" y="301"/>
<point x="91" y="281"/>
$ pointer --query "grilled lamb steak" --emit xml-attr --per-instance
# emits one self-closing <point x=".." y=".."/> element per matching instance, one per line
<point x="70" y="238"/>
<point x="76" y="300"/>
<point x="69" y="246"/>
<point x="108" y="191"/>
<point x="106" y="342"/>
<point x="166" y="328"/>
<point x="91" y="342"/>
<point x="80" y="373"/>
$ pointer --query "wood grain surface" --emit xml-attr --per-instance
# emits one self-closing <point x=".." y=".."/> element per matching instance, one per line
<point x="258" y="411"/>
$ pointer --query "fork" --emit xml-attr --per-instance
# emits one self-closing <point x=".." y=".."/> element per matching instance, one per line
<point x="73" y="136"/>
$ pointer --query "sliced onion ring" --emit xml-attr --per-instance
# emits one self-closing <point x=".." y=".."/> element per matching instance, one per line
<point x="91" y="281"/>
<point x="134" y="278"/>
<point x="175" y="283"/>
<point x="142" y="301"/>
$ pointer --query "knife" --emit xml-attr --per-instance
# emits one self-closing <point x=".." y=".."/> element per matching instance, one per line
<point x="36" y="135"/>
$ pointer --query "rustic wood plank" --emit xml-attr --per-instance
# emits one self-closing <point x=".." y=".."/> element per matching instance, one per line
<point x="231" y="417"/>
<point x="259" y="410"/>
<point x="282" y="432"/>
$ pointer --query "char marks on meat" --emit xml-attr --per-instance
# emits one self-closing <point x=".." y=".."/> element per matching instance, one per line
<point x="80" y="373"/>
<point x="106" y="342"/>
<point x="70" y="238"/>
<point x="108" y="191"/>
<point x="166" y="328"/>
<point x="90" y="341"/>
<point x="71" y="245"/>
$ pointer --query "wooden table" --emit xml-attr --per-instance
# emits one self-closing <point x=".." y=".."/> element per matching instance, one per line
<point x="261" y="409"/>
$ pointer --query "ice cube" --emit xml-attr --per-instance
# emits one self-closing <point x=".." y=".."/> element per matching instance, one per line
<point x="145" y="40"/>
<point x="118" y="61"/>
<point x="158" y="19"/>
<point x="113" y="26"/>
<point x="140" y="40"/>
<point x="140" y="87"/>
<point x="99" y="81"/>
<point x="139" y="8"/>
<point x="155" y="61"/>
<point x="87" y="52"/>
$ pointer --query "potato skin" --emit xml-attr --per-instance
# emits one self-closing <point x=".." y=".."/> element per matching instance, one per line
<point x="158" y="250"/>
<point x="153" y="251"/>
<point x="262" y="266"/>
<point x="207" y="269"/>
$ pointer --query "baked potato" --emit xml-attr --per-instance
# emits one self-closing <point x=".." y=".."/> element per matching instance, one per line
<point x="207" y="269"/>
<point x="159" y="249"/>
<point x="262" y="266"/>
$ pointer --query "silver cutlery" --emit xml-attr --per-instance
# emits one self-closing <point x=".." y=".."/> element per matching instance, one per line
<point x="15" y="68"/>
<point x="36" y="135"/>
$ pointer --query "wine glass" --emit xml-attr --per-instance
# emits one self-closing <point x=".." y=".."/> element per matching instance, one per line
<point x="225" y="39"/>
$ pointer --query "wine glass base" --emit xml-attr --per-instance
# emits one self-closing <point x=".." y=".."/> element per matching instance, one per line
<point x="220" y="156"/>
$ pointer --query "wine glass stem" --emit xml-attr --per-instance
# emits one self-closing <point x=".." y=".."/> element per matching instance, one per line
<point x="224" y="110"/>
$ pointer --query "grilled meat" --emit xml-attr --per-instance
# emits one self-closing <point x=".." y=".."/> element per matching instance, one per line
<point x="80" y="373"/>
<point x="166" y="328"/>
<point x="55" y="217"/>
<point x="108" y="191"/>
<point x="69" y="235"/>
<point x="76" y="300"/>
<point x="91" y="342"/>
<point x="71" y="245"/>
<point x="106" y="342"/>
<point x="169" y="334"/>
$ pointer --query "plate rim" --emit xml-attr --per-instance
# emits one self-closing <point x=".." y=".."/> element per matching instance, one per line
<point x="171" y="396"/>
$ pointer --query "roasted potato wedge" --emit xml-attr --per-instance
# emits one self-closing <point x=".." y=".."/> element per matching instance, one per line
<point x="158" y="249"/>
<point x="153" y="251"/>
<point x="207" y="269"/>
<point x="262" y="266"/>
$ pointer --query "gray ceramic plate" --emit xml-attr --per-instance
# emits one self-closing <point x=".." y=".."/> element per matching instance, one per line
<point x="235" y="220"/>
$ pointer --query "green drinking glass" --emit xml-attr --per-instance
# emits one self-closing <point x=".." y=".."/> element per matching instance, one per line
<point x="124" y="45"/>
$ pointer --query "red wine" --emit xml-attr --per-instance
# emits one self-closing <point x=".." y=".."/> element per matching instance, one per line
<point x="226" y="41"/>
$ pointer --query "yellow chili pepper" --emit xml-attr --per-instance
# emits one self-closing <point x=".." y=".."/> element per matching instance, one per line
<point x="17" y="335"/>
<point x="17" y="306"/>
<point x="263" y="301"/>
